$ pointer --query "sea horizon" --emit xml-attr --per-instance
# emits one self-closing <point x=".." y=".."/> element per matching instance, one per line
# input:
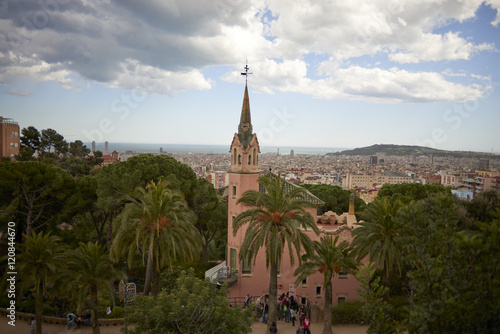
<point x="203" y="148"/>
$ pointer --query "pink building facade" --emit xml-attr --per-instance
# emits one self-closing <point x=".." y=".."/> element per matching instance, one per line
<point x="253" y="278"/>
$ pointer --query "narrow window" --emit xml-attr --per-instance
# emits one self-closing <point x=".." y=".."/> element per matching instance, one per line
<point x="318" y="291"/>
<point x="239" y="159"/>
<point x="246" y="267"/>
<point x="250" y="159"/>
<point x="234" y="190"/>
<point x="233" y="260"/>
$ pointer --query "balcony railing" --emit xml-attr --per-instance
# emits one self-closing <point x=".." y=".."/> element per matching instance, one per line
<point x="226" y="276"/>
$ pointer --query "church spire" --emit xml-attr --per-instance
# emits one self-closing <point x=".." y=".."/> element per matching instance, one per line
<point x="245" y="127"/>
<point x="245" y="109"/>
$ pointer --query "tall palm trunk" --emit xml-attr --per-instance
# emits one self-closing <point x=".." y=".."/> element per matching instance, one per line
<point x="93" y="311"/>
<point x="273" y="295"/>
<point x="327" y="328"/>
<point x="38" y="307"/>
<point x="155" y="290"/>
<point x="149" y="274"/>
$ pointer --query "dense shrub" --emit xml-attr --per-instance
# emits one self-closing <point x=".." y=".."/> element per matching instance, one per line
<point x="400" y="305"/>
<point x="348" y="313"/>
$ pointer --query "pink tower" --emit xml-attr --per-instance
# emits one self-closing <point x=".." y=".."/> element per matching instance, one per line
<point x="253" y="278"/>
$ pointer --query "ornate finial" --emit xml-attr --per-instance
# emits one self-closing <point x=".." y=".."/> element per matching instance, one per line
<point x="246" y="73"/>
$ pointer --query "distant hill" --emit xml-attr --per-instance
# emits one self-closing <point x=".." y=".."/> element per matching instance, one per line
<point x="400" y="150"/>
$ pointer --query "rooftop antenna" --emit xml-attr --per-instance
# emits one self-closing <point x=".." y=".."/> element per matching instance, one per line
<point x="246" y="73"/>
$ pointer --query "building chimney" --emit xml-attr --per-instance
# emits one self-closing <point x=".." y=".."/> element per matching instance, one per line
<point x="351" y="205"/>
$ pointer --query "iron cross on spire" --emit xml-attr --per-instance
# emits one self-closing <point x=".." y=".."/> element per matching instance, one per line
<point x="246" y="73"/>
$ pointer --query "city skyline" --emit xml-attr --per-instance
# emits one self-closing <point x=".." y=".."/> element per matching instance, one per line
<point x="324" y="75"/>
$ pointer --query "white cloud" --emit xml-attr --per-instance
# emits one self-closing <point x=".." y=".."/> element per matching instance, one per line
<point x="432" y="47"/>
<point x="33" y="68"/>
<point x="169" y="43"/>
<point x="150" y="80"/>
<point x="395" y="85"/>
<point x="495" y="4"/>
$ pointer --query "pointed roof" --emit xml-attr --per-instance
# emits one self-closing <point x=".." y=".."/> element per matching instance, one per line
<point x="245" y="109"/>
<point x="245" y="127"/>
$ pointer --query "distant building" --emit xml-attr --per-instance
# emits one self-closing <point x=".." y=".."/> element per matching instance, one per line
<point x="373" y="160"/>
<point x="292" y="154"/>
<point x="430" y="179"/>
<point x="369" y="195"/>
<point x="9" y="138"/>
<point x="93" y="146"/>
<point x="478" y="184"/>
<point x="218" y="179"/>
<point x="109" y="159"/>
<point x="369" y="181"/>
<point x="484" y="164"/>
<point x="454" y="180"/>
<point x="461" y="193"/>
<point x="106" y="151"/>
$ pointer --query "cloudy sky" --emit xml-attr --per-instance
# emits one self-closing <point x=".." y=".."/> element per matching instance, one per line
<point x="325" y="73"/>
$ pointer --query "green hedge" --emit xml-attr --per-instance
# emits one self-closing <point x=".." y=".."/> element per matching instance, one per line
<point x="348" y="312"/>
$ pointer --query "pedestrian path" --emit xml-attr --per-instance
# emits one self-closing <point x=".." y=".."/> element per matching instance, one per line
<point x="22" y="327"/>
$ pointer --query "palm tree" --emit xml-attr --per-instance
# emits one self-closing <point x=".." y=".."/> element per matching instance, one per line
<point x="377" y="235"/>
<point x="91" y="271"/>
<point x="329" y="259"/>
<point x="157" y="223"/>
<point x="274" y="222"/>
<point x="40" y="261"/>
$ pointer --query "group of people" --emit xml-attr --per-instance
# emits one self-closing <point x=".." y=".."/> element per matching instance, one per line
<point x="287" y="309"/>
<point x="76" y="321"/>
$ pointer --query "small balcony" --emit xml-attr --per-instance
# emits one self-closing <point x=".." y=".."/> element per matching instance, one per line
<point x="225" y="276"/>
<point x="221" y="274"/>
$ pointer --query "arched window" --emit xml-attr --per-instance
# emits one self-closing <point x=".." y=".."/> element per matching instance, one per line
<point x="239" y="159"/>
<point x="250" y="159"/>
<point x="234" y="156"/>
<point x="254" y="157"/>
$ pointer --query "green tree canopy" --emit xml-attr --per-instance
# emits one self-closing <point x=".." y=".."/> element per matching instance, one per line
<point x="191" y="306"/>
<point x="118" y="180"/>
<point x="52" y="143"/>
<point x="84" y="208"/>
<point x="40" y="261"/>
<point x="378" y="233"/>
<point x="454" y="273"/>
<point x="411" y="191"/>
<point x="211" y="213"/>
<point x="156" y="222"/>
<point x="336" y="199"/>
<point x="33" y="193"/>
<point x="90" y="272"/>
<point x="78" y="149"/>
<point x="30" y="143"/>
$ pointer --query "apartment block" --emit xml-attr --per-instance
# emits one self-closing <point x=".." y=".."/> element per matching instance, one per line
<point x="9" y="138"/>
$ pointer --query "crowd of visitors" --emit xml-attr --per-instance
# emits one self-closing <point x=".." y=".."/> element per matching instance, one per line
<point x="288" y="310"/>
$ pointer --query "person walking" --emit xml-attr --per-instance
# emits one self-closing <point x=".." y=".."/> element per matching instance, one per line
<point x="265" y="312"/>
<point x="307" y="324"/>
<point x="32" y="325"/>
<point x="293" y="315"/>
